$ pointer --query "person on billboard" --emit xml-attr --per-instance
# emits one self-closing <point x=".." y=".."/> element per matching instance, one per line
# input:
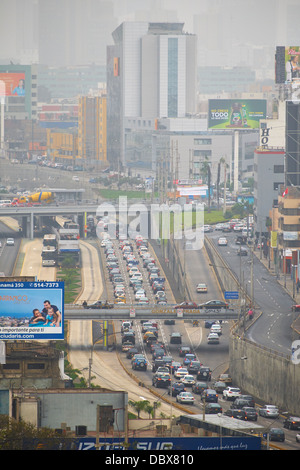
<point x="37" y="317"/>
<point x="47" y="307"/>
<point x="292" y="68"/>
<point x="20" y="89"/>
<point x="52" y="318"/>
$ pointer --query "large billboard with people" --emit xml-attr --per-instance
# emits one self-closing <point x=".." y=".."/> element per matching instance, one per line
<point x="234" y="114"/>
<point x="12" y="84"/>
<point x="31" y="310"/>
<point x="287" y="64"/>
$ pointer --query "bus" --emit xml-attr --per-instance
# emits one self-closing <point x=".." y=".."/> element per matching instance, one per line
<point x="49" y="256"/>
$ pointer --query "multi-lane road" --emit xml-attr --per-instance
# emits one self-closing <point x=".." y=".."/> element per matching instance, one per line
<point x="273" y="328"/>
<point x="111" y="369"/>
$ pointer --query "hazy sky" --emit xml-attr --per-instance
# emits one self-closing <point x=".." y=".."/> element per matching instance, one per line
<point x="79" y="30"/>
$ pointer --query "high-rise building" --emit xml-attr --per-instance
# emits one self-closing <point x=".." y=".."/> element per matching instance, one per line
<point x="292" y="159"/>
<point x="151" y="73"/>
<point x="92" y="128"/>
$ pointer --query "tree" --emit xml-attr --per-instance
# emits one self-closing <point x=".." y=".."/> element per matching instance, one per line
<point x="207" y="175"/>
<point x="139" y="406"/>
<point x="18" y="435"/>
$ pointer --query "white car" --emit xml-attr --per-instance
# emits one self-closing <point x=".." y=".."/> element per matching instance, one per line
<point x="185" y="397"/>
<point x="216" y="328"/>
<point x="140" y="293"/>
<point x="188" y="380"/>
<point x="213" y="338"/>
<point x="181" y="372"/>
<point x="201" y="288"/>
<point x="10" y="241"/>
<point x="222" y="241"/>
<point x="230" y="393"/>
<point x="269" y="411"/>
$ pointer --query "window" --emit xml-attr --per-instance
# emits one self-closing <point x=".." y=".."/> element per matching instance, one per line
<point x="278" y="169"/>
<point x="202" y="141"/>
<point x="12" y="366"/>
<point x="36" y="365"/>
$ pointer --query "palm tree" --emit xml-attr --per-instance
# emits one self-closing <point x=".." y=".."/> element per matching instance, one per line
<point x="139" y="406"/>
<point x="207" y="176"/>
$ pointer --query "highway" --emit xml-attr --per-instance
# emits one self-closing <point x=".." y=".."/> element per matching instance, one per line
<point x="111" y="369"/>
<point x="273" y="328"/>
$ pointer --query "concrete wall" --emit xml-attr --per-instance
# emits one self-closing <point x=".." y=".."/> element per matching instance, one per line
<point x="265" y="374"/>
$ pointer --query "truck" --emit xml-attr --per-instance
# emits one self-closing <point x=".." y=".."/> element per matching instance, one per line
<point x="40" y="197"/>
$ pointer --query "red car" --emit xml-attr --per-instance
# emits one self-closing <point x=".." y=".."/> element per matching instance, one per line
<point x="187" y="305"/>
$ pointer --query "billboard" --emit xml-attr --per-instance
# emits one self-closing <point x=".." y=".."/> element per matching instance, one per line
<point x="287" y="64"/>
<point x="236" y="114"/>
<point x="31" y="310"/>
<point x="12" y="84"/>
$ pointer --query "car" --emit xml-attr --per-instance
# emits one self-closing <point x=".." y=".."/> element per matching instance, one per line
<point x="208" y="228"/>
<point x="180" y="372"/>
<point x="210" y="395"/>
<point x="208" y="323"/>
<point x="219" y="386"/>
<point x="247" y="398"/>
<point x="213" y="408"/>
<point x="175" y="338"/>
<point x="199" y="387"/>
<point x="188" y="380"/>
<point x="225" y="378"/>
<point x="184" y="350"/>
<point x="10" y="241"/>
<point x="236" y="413"/>
<point x="269" y="411"/>
<point x="222" y="241"/>
<point x="241" y="402"/>
<point x="188" y="358"/>
<point x="230" y="393"/>
<point x="174" y="366"/>
<point x="276" y="434"/>
<point x="251" y="413"/>
<point x="176" y="387"/>
<point x="219" y="226"/>
<point x="161" y="380"/>
<point x="216" y="328"/>
<point x="139" y="363"/>
<point x="187" y="305"/>
<point x="126" y="346"/>
<point x="242" y="251"/>
<point x="204" y="373"/>
<point x="99" y="304"/>
<point x="292" y="422"/>
<point x="194" y="366"/>
<point x="214" y="305"/>
<point x="140" y="293"/>
<point x="131" y="352"/>
<point x="185" y="397"/>
<point x="201" y="288"/>
<point x="298" y="437"/>
<point x="213" y="338"/>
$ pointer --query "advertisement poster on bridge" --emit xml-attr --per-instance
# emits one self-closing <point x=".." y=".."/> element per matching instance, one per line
<point x="31" y="310"/>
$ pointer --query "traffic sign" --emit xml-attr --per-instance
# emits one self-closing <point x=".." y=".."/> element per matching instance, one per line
<point x="231" y="294"/>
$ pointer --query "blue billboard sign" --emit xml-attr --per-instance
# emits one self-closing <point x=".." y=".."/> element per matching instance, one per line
<point x="231" y="295"/>
<point x="31" y="310"/>
<point x="172" y="443"/>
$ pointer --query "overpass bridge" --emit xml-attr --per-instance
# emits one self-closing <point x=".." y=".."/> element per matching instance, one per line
<point x="120" y="312"/>
<point x="25" y="214"/>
